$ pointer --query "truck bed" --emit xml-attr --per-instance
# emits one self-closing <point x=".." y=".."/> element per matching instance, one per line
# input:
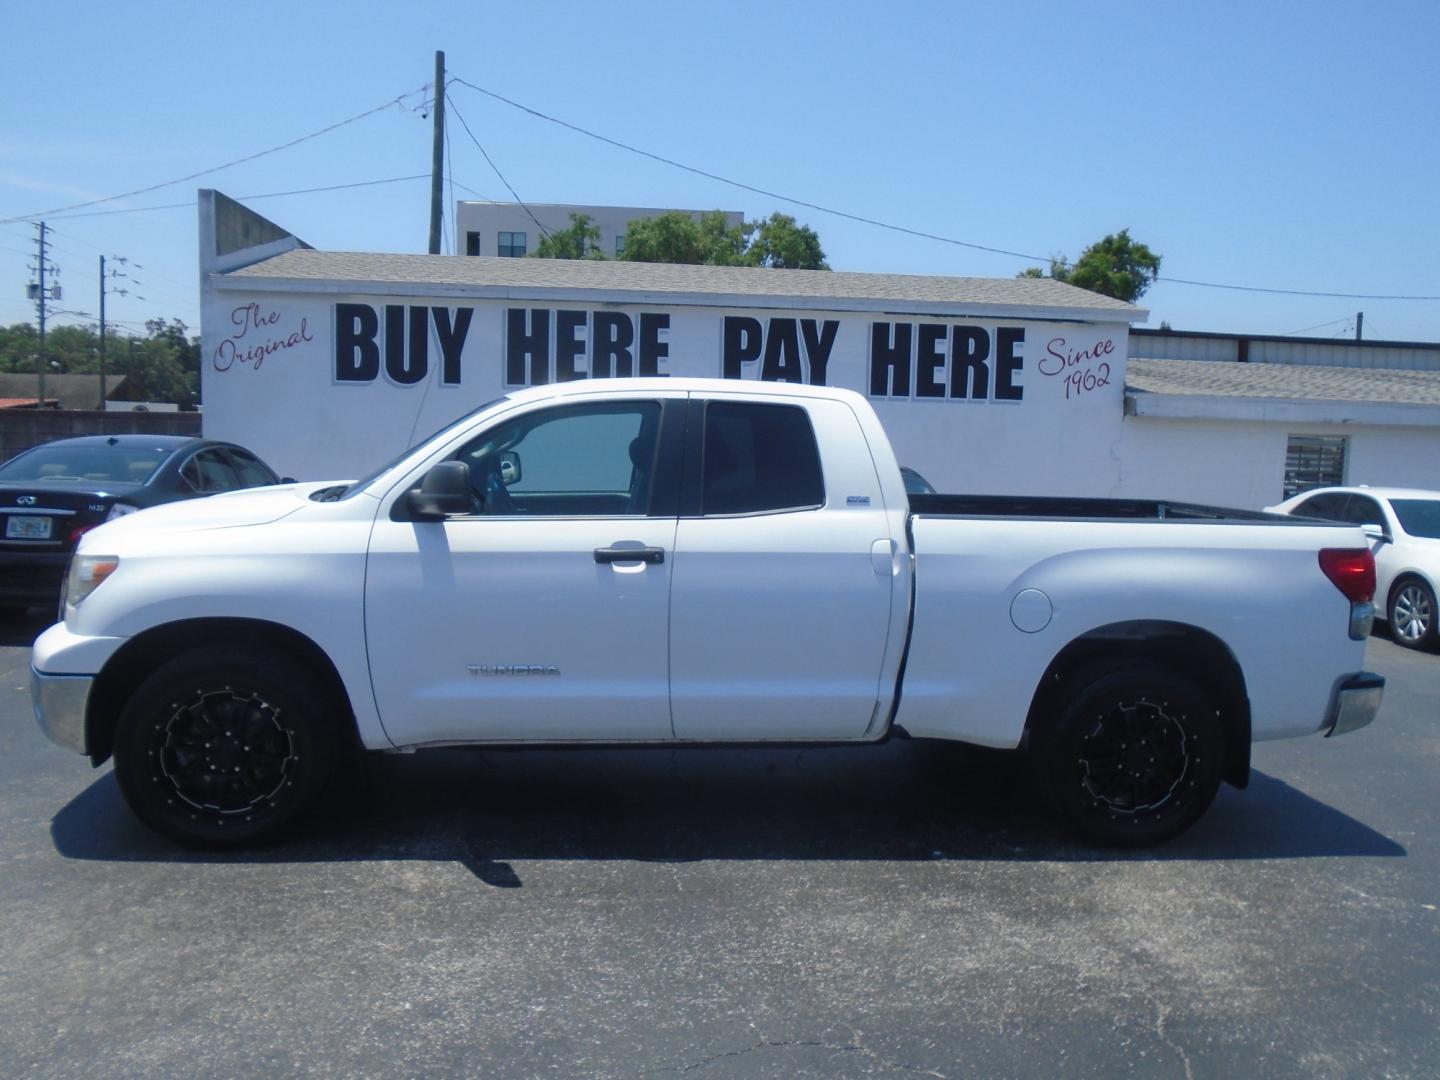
<point x="1038" y="506"/>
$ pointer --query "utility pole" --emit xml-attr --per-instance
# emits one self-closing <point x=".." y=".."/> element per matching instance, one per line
<point x="1359" y="323"/>
<point x="437" y="156"/>
<point x="103" y="291"/>
<point x="40" y="293"/>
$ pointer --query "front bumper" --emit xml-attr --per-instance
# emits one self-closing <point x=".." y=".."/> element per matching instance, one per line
<point x="59" y="702"/>
<point x="1356" y="701"/>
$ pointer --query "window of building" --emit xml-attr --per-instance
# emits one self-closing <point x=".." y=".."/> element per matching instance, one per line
<point x="759" y="458"/>
<point x="511" y="245"/>
<point x="1313" y="461"/>
<point x="472" y="243"/>
<point x="620" y="245"/>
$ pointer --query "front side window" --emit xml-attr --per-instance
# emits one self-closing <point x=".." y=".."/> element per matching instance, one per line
<point x="574" y="461"/>
<point x="759" y="458"/>
<point x="1313" y="461"/>
<point x="208" y="473"/>
<point x="1363" y="510"/>
<point x="252" y="472"/>
<point x="511" y="245"/>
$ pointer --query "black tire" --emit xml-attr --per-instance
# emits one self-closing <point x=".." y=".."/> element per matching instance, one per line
<point x="1412" y="614"/>
<point x="225" y="747"/>
<point x="1135" y="757"/>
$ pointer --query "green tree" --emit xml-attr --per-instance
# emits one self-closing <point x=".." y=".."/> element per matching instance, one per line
<point x="784" y="244"/>
<point x="580" y="241"/>
<point x="675" y="237"/>
<point x="671" y="237"/>
<point x="163" y="365"/>
<point x="1117" y="266"/>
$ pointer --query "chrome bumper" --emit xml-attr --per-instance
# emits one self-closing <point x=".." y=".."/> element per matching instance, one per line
<point x="1357" y="700"/>
<point x="59" y="702"/>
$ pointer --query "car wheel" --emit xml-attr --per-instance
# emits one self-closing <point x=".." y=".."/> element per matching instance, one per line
<point x="1135" y="757"/>
<point x="220" y="748"/>
<point x="1412" y="614"/>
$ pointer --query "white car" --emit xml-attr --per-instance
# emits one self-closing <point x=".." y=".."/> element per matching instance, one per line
<point x="1404" y="527"/>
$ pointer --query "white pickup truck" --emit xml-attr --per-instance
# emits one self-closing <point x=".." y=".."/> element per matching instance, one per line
<point x="668" y="561"/>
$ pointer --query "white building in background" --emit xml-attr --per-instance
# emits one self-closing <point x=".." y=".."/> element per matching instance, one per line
<point x="510" y="230"/>
<point x="327" y="363"/>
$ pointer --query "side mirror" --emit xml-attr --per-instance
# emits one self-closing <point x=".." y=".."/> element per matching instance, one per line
<point x="445" y="490"/>
<point x="510" y="468"/>
<point x="287" y="480"/>
<point x="1375" y="532"/>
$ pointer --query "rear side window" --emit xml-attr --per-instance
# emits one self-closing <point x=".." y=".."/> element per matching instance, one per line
<point x="759" y="458"/>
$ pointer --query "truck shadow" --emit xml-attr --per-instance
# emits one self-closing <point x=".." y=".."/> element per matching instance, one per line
<point x="901" y="801"/>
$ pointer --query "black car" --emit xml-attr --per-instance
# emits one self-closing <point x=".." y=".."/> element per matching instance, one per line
<point x="54" y="493"/>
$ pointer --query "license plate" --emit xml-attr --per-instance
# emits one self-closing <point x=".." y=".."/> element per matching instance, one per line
<point x="25" y="527"/>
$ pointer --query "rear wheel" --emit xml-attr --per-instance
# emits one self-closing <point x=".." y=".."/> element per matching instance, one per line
<point x="225" y="747"/>
<point x="1412" y="615"/>
<point x="1135" y="757"/>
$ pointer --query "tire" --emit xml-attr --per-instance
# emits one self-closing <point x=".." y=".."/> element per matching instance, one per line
<point x="1135" y="757"/>
<point x="225" y="747"/>
<point x="1412" y="614"/>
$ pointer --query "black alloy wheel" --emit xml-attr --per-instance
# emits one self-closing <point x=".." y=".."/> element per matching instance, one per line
<point x="1135" y="758"/>
<point x="221" y="748"/>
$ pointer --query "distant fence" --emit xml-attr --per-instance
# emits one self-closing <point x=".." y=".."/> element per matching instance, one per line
<point x="20" y="429"/>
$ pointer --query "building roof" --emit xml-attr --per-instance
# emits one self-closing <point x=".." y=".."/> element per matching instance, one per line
<point x="715" y="286"/>
<point x="1290" y="382"/>
<point x="70" y="391"/>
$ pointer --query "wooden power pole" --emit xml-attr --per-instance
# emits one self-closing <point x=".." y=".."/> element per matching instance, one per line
<point x="437" y="157"/>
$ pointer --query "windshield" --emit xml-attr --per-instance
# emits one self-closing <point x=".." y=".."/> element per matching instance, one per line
<point x="1418" y="517"/>
<point x="375" y="474"/>
<point x="58" y="463"/>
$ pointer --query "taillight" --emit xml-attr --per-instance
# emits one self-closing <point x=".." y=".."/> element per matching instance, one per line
<point x="77" y="532"/>
<point x="1351" y="570"/>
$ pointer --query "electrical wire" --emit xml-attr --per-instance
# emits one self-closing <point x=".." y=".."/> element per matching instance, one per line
<point x="498" y="173"/>
<point x="265" y="195"/>
<point x="1317" y="326"/>
<point x="229" y="164"/>
<point x="885" y="224"/>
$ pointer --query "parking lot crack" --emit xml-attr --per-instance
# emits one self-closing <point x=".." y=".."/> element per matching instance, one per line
<point x="1162" y="1015"/>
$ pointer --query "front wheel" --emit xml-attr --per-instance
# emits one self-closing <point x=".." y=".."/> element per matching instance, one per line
<point x="220" y="748"/>
<point x="1135" y="757"/>
<point x="1412" y="615"/>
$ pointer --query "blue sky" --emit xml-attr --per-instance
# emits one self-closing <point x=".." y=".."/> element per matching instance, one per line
<point x="1275" y="145"/>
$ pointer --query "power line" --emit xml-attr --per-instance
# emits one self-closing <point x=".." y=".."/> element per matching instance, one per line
<point x="492" y="163"/>
<point x="229" y="164"/>
<point x="265" y="195"/>
<point x="885" y="224"/>
<point x="1317" y="326"/>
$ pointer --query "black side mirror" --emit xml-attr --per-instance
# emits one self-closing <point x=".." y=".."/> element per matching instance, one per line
<point x="445" y="490"/>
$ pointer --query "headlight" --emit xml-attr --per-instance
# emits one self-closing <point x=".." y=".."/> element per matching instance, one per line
<point x="120" y="510"/>
<point x="87" y="573"/>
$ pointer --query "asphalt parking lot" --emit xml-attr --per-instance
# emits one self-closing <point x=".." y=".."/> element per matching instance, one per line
<point x="878" y="912"/>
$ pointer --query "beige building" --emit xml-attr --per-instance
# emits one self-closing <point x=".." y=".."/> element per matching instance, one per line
<point x="513" y="229"/>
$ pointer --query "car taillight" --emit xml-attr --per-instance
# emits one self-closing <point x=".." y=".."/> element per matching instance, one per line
<point x="1351" y="570"/>
<point x="77" y="532"/>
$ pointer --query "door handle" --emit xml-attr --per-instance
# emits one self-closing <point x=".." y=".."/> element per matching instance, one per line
<point x="651" y="556"/>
